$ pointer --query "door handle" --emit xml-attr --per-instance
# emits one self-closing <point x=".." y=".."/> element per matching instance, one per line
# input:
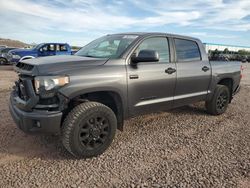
<point x="205" y="68"/>
<point x="170" y="70"/>
<point x="133" y="76"/>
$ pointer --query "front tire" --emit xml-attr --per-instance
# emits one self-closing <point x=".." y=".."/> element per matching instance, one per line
<point x="89" y="129"/>
<point x="3" y="61"/>
<point x="219" y="103"/>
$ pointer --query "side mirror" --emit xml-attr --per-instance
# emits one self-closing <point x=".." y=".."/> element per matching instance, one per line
<point x="145" y="56"/>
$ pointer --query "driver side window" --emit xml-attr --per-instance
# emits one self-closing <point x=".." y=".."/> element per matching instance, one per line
<point x="158" y="44"/>
<point x="47" y="48"/>
<point x="44" y="48"/>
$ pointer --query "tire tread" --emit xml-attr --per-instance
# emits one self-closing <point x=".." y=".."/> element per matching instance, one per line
<point x="211" y="105"/>
<point x="70" y="121"/>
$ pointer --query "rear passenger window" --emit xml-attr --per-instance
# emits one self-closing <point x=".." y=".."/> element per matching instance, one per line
<point x="187" y="50"/>
<point x="63" y="47"/>
<point x="158" y="44"/>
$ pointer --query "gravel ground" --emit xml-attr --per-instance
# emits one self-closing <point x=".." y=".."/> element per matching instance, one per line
<point x="181" y="148"/>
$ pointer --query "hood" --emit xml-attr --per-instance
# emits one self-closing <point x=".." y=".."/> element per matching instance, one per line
<point x="17" y="51"/>
<point x="62" y="64"/>
<point x="22" y="51"/>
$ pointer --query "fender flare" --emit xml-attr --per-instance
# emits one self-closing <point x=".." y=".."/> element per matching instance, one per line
<point x="27" y="57"/>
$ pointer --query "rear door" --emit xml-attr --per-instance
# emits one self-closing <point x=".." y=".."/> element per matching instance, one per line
<point x="150" y="87"/>
<point x="62" y="49"/>
<point x="193" y="72"/>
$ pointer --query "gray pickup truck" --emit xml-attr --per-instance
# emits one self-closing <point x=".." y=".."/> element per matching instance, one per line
<point x="87" y="96"/>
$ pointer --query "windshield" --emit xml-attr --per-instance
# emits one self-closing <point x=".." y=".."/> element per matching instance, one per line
<point x="37" y="46"/>
<point x="110" y="46"/>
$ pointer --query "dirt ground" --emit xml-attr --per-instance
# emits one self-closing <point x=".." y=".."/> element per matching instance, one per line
<point x="184" y="147"/>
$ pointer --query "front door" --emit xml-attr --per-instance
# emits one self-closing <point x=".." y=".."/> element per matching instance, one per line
<point x="47" y="50"/>
<point x="150" y="85"/>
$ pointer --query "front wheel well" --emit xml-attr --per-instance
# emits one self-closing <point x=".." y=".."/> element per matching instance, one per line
<point x="108" y="98"/>
<point x="26" y="57"/>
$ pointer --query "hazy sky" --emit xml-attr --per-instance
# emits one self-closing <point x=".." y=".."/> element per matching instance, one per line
<point x="80" y="21"/>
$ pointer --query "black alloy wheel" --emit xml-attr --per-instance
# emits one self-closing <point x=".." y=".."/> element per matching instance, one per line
<point x="94" y="132"/>
<point x="222" y="101"/>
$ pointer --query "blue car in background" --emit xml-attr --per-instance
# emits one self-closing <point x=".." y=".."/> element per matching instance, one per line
<point x="40" y="50"/>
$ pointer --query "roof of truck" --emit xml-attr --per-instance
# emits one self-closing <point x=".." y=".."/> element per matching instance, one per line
<point x="54" y="43"/>
<point x="156" y="33"/>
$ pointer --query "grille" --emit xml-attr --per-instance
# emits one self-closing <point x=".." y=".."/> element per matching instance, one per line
<point x="22" y="91"/>
<point x="25" y="66"/>
<point x="24" y="87"/>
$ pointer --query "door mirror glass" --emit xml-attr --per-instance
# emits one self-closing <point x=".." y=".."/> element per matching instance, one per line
<point x="145" y="56"/>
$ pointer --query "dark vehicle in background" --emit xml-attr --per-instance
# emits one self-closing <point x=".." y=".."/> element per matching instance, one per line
<point x="87" y="96"/>
<point x="2" y="46"/>
<point x="3" y="55"/>
<point x="40" y="50"/>
<point x="244" y="59"/>
<point x="73" y="51"/>
<point x="231" y="56"/>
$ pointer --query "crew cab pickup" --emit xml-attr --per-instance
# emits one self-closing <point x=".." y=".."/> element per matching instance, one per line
<point x="86" y="97"/>
<point x="40" y="50"/>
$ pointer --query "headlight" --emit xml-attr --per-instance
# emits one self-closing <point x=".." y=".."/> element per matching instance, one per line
<point x="16" y="56"/>
<point x="49" y="83"/>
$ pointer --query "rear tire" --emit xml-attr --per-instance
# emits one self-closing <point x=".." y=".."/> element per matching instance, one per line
<point x="219" y="103"/>
<point x="89" y="129"/>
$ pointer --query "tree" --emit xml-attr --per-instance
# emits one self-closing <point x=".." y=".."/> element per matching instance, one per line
<point x="216" y="51"/>
<point x="226" y="51"/>
<point x="243" y="52"/>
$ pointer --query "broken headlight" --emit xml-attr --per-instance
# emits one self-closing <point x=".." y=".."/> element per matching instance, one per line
<point x="48" y="84"/>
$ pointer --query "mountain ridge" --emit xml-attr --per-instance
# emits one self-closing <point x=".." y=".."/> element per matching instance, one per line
<point x="13" y="43"/>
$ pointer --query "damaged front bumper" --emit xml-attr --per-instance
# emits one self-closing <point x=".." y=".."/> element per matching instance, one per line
<point x="29" y="118"/>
